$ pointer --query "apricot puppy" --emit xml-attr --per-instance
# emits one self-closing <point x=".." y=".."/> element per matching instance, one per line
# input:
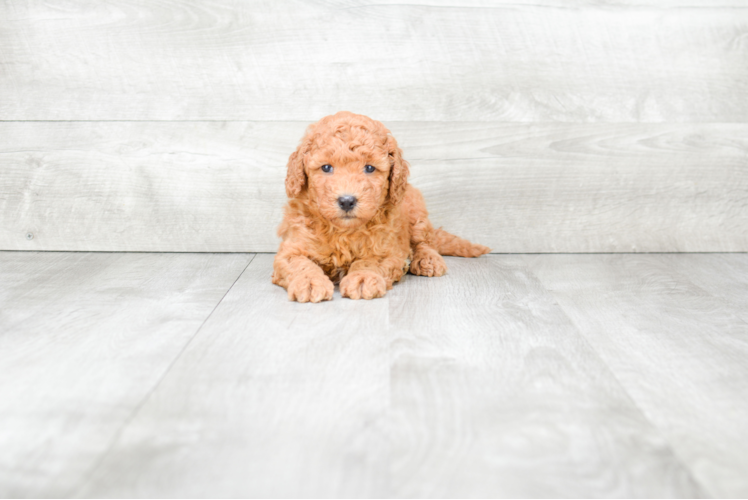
<point x="352" y="218"/>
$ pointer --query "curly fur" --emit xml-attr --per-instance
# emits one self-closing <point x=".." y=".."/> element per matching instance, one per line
<point x="367" y="249"/>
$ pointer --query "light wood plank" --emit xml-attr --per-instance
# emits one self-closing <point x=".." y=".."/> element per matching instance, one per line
<point x="517" y="188"/>
<point x="83" y="339"/>
<point x="575" y="4"/>
<point x="676" y="348"/>
<point x="271" y="399"/>
<point x="266" y="60"/>
<point x="143" y="186"/>
<point x="474" y="384"/>
<point x="569" y="4"/>
<point x="496" y="394"/>
<point x="722" y="275"/>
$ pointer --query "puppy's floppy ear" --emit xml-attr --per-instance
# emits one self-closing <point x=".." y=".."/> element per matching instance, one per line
<point x="399" y="171"/>
<point x="296" y="176"/>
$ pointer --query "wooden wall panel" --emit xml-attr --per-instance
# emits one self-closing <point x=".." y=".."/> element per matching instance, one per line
<point x="218" y="186"/>
<point x="532" y="126"/>
<point x="482" y="61"/>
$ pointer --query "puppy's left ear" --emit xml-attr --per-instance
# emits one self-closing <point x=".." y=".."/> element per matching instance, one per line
<point x="399" y="171"/>
<point x="296" y="176"/>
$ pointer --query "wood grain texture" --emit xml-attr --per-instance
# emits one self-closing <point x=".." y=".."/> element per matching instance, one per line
<point x="724" y="276"/>
<point x="568" y="4"/>
<point x="525" y="376"/>
<point x="83" y="339"/>
<point x="218" y="186"/>
<point x="495" y="394"/>
<point x="144" y="186"/>
<point x="426" y="392"/>
<point x="264" y="60"/>
<point x="677" y="346"/>
<point x="271" y="399"/>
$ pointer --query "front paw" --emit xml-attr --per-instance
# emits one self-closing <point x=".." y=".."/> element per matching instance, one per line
<point x="363" y="285"/>
<point x="428" y="264"/>
<point x="314" y="288"/>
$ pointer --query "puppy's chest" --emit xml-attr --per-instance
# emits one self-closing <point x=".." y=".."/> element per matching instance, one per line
<point x="335" y="257"/>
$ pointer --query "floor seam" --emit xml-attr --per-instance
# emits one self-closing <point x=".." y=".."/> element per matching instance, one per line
<point x="615" y="377"/>
<point x="636" y="405"/>
<point x="148" y="395"/>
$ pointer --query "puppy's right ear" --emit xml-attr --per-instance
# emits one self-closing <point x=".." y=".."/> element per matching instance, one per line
<point x="296" y="177"/>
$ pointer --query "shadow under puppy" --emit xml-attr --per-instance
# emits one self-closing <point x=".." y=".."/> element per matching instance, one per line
<point x="352" y="218"/>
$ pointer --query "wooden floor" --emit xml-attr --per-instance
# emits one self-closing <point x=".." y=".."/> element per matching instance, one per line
<point x="161" y="375"/>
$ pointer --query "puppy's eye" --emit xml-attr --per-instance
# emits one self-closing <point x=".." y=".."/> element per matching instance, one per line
<point x="369" y="169"/>
<point x="327" y="168"/>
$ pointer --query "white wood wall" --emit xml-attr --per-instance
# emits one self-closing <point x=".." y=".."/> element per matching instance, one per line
<point x="531" y="126"/>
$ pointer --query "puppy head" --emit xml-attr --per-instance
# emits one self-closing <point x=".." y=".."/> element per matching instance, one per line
<point x="348" y="166"/>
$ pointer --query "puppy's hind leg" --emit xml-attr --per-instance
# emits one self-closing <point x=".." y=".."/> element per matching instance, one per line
<point x="449" y="244"/>
<point x="427" y="261"/>
<point x="429" y="244"/>
<point x="427" y="255"/>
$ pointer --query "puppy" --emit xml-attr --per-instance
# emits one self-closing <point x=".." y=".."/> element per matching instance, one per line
<point x="352" y="218"/>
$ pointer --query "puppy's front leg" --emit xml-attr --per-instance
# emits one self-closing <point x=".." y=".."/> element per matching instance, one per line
<point x="369" y="279"/>
<point x="304" y="280"/>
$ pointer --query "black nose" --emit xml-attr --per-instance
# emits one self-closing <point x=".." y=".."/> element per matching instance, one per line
<point x="347" y="202"/>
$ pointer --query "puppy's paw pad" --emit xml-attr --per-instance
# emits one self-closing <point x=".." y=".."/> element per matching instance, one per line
<point x="310" y="289"/>
<point x="431" y="265"/>
<point x="363" y="285"/>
